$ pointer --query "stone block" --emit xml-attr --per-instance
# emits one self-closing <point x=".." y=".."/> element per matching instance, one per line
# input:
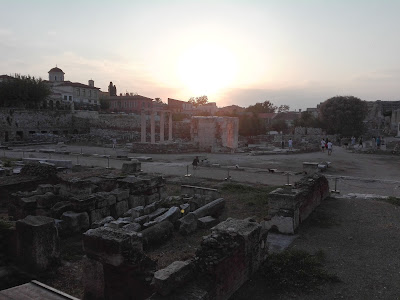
<point x="148" y="209"/>
<point x="135" y="212"/>
<point x="152" y="198"/>
<point x="29" y="203"/>
<point x="207" y="222"/>
<point x="188" y="224"/>
<point x="172" y="215"/>
<point x="83" y="204"/>
<point x="120" y="194"/>
<point x="93" y="279"/>
<point x="112" y="246"/>
<point x="132" y="227"/>
<point x="213" y="208"/>
<point x="158" y="233"/>
<point x="119" y="208"/>
<point x="45" y="188"/>
<point x="141" y="220"/>
<point x="157" y="212"/>
<point x="173" y="277"/>
<point x="37" y="243"/>
<point x="46" y="201"/>
<point x="135" y="200"/>
<point x="102" y="222"/>
<point x="131" y="167"/>
<point x="98" y="214"/>
<point x="75" y="221"/>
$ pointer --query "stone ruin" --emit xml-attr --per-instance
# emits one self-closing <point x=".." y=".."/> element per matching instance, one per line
<point x="289" y="207"/>
<point x="124" y="217"/>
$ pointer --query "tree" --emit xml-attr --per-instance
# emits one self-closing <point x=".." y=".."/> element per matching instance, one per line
<point x="251" y="125"/>
<point x="343" y="115"/>
<point x="158" y="100"/>
<point x="23" y="91"/>
<point x="279" y="125"/>
<point x="283" y="108"/>
<point x="307" y="120"/>
<point x="198" y="101"/>
<point x="104" y="104"/>
<point x="264" y="107"/>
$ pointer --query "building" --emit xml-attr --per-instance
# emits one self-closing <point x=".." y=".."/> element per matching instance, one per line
<point x="66" y="92"/>
<point x="4" y="78"/>
<point x="129" y="103"/>
<point x="209" y="108"/>
<point x="179" y="106"/>
<point x="231" y="109"/>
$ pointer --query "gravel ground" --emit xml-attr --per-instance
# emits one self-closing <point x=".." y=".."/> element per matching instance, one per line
<point x="361" y="240"/>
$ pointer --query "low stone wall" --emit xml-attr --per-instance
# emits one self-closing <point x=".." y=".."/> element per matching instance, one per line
<point x="117" y="267"/>
<point x="288" y="207"/>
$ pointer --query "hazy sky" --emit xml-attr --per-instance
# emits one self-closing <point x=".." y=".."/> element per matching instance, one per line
<point x="298" y="52"/>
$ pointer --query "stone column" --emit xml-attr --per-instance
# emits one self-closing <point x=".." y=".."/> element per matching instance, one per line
<point x="153" y="127"/>
<point x="170" y="127"/>
<point x="162" y="116"/>
<point x="143" y="127"/>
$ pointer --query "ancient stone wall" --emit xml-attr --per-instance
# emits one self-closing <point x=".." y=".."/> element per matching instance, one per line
<point x="288" y="207"/>
<point x="215" y="133"/>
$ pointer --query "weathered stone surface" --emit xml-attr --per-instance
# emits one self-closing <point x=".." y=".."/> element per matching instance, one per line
<point x="59" y="208"/>
<point x="148" y="209"/>
<point x="188" y="224"/>
<point x="132" y="167"/>
<point x="46" y="201"/>
<point x="157" y="233"/>
<point x="84" y="204"/>
<point x="93" y="279"/>
<point x="172" y="277"/>
<point x="137" y="200"/>
<point x="98" y="214"/>
<point x="152" y="198"/>
<point x="112" y="246"/>
<point x="119" y="208"/>
<point x="157" y="212"/>
<point x="141" y="220"/>
<point x="207" y="222"/>
<point x="120" y="194"/>
<point x="172" y="215"/>
<point x="37" y="243"/>
<point x="29" y="203"/>
<point x="45" y="188"/>
<point x="132" y="227"/>
<point x="117" y="224"/>
<point x="135" y="212"/>
<point x="75" y="222"/>
<point x="213" y="208"/>
<point x="102" y="222"/>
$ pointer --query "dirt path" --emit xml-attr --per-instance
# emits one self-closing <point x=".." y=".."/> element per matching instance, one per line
<point x="361" y="240"/>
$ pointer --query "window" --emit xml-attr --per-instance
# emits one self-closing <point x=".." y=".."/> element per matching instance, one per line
<point x="90" y="101"/>
<point x="95" y="94"/>
<point x="70" y="98"/>
<point x="65" y="97"/>
<point x="95" y="101"/>
<point x="55" y="78"/>
<point x="90" y="93"/>
<point x="84" y="92"/>
<point x="78" y="92"/>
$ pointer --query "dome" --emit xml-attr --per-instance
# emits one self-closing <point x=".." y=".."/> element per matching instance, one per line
<point x="56" y="70"/>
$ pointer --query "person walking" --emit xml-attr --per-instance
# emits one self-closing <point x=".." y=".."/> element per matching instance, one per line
<point x="290" y="143"/>
<point x="195" y="162"/>
<point x="329" y="147"/>
<point x="360" y="142"/>
<point x="323" y="145"/>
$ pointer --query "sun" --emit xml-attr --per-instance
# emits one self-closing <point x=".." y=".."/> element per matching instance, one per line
<point x="206" y="69"/>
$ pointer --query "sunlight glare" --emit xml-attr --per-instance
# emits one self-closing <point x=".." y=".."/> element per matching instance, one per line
<point x="206" y="69"/>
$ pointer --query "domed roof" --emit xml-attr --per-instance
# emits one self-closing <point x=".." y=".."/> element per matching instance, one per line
<point x="56" y="70"/>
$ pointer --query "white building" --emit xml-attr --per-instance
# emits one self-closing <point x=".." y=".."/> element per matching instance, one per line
<point x="68" y="92"/>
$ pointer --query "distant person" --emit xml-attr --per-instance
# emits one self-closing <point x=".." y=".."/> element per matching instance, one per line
<point x="329" y="144"/>
<point x="360" y="142"/>
<point x="378" y="142"/>
<point x="195" y="162"/>
<point x="353" y="141"/>
<point x="290" y="144"/>
<point x="323" y="145"/>
<point x="326" y="143"/>
<point x="114" y="142"/>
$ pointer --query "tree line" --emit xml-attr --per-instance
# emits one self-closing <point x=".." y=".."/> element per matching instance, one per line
<point x="23" y="92"/>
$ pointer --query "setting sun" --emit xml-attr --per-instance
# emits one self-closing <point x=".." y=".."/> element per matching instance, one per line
<point x="206" y="69"/>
